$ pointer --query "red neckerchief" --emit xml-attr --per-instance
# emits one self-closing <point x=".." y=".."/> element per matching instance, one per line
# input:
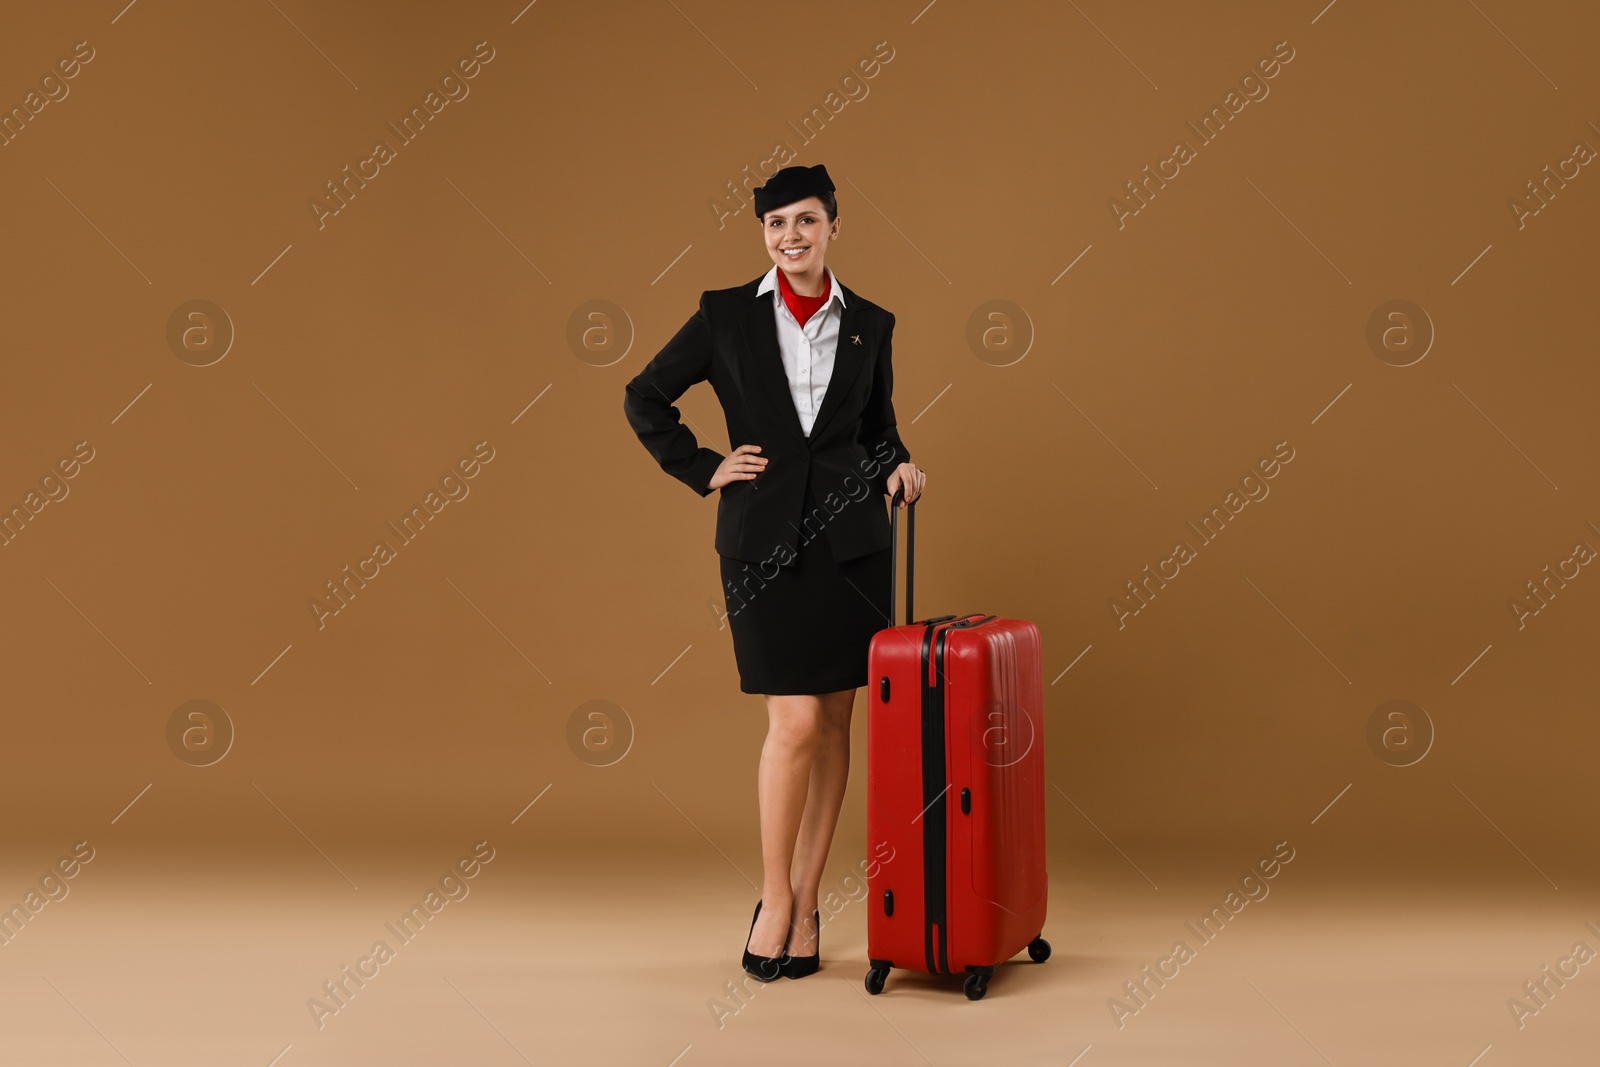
<point x="803" y="307"/>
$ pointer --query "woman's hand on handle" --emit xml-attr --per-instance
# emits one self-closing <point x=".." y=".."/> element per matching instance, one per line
<point x="910" y="477"/>
<point x="742" y="465"/>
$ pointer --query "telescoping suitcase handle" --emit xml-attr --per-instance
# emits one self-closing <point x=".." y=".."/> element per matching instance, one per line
<point x="894" y="542"/>
<point x="911" y="548"/>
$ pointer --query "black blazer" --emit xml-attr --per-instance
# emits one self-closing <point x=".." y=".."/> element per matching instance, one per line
<point x="732" y="342"/>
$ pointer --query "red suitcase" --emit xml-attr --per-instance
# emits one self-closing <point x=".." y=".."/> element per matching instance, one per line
<point x="955" y="790"/>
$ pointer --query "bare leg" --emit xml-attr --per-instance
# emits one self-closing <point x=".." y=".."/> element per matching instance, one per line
<point x="830" y="772"/>
<point x="793" y="731"/>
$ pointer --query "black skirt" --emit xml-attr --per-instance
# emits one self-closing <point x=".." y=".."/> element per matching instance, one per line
<point x="805" y="629"/>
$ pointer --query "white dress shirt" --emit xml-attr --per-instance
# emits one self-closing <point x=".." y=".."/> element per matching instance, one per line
<point x="807" y="350"/>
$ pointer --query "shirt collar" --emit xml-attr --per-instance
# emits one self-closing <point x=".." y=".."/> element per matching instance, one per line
<point x="769" y="283"/>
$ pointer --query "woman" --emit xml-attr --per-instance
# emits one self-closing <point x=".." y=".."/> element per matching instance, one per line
<point x="801" y="365"/>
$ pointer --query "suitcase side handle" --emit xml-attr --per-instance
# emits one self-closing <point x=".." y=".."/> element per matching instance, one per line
<point x="894" y="541"/>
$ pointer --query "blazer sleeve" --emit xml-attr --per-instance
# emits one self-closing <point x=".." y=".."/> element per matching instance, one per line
<point x="877" y="419"/>
<point x="649" y="404"/>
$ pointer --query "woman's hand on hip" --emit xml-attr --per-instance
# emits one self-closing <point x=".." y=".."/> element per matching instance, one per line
<point x="910" y="477"/>
<point x="742" y="465"/>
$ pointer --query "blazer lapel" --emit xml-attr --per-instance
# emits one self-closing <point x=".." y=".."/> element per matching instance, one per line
<point x="765" y="383"/>
<point x="848" y="359"/>
<point x="766" y="374"/>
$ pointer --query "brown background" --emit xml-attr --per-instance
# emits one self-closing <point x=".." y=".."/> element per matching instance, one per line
<point x="436" y="307"/>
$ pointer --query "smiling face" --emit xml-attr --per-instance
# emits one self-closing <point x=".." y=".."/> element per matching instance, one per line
<point x="797" y="238"/>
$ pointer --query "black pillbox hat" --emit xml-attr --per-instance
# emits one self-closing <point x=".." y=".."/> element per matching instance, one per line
<point x="791" y="184"/>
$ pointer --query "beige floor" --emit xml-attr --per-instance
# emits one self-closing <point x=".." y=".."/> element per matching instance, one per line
<point x="603" y="961"/>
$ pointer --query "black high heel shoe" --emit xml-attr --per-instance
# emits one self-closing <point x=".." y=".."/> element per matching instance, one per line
<point x="763" y="967"/>
<point x="800" y="966"/>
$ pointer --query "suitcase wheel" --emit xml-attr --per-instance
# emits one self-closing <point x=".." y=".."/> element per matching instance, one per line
<point x="976" y="986"/>
<point x="875" y="979"/>
<point x="1039" y="949"/>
